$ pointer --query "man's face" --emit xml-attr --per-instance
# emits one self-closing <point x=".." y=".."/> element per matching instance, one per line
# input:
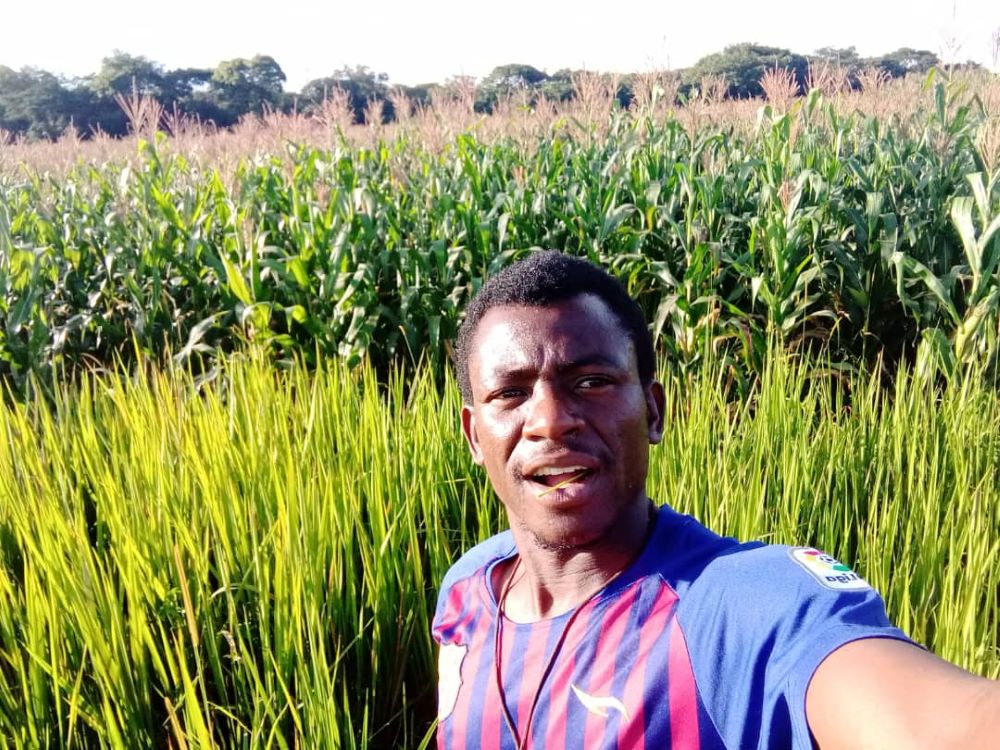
<point x="557" y="401"/>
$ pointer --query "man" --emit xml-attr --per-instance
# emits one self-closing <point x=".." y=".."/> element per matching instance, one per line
<point x="600" y="621"/>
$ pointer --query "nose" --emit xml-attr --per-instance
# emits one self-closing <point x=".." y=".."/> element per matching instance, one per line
<point x="551" y="414"/>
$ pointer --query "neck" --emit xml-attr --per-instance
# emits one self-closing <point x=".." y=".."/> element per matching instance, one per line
<point x="545" y="582"/>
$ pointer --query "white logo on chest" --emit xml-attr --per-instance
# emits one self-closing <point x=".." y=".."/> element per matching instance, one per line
<point x="599" y="704"/>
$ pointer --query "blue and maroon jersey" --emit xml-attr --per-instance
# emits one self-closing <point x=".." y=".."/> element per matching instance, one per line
<point x="701" y="643"/>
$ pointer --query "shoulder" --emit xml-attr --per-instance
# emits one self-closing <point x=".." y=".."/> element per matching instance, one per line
<point x="736" y="580"/>
<point x="497" y="547"/>
<point x="798" y="598"/>
<point x="458" y="585"/>
<point x="682" y="551"/>
<point x="779" y="586"/>
<point x="759" y="620"/>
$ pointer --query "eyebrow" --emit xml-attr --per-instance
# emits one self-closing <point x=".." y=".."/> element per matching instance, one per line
<point x="593" y="360"/>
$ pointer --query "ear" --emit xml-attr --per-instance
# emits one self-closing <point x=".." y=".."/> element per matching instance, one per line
<point x="656" y="403"/>
<point x="469" y="430"/>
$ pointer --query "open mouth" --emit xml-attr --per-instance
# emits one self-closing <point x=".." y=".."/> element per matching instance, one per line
<point x="556" y="478"/>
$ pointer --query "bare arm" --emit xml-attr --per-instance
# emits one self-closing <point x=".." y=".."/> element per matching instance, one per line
<point x="881" y="694"/>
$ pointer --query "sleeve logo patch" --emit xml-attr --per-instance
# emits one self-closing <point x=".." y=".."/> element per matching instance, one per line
<point x="828" y="570"/>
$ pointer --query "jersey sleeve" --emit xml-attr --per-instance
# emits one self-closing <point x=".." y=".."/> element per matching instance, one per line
<point x="758" y="622"/>
<point x="455" y="597"/>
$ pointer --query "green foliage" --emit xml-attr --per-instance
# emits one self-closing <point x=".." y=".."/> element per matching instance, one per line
<point x="743" y="65"/>
<point x="362" y="85"/>
<point x="251" y="560"/>
<point x="33" y="102"/>
<point x="122" y="73"/>
<point x="508" y="81"/>
<point x="906" y="60"/>
<point x="834" y="233"/>
<point x="242" y="581"/>
<point x="847" y="57"/>
<point x="248" y="85"/>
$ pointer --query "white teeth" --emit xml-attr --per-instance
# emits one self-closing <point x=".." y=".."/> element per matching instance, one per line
<point x="551" y="471"/>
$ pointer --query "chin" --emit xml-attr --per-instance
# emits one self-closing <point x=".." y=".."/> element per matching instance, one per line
<point x="570" y="540"/>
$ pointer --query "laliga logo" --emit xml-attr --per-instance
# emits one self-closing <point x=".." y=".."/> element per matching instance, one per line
<point x="828" y="570"/>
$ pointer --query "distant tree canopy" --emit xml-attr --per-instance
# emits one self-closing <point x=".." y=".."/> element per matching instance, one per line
<point x="743" y="65"/>
<point x="906" y="60"/>
<point x="122" y="73"/>
<point x="241" y="86"/>
<point x="38" y="104"/>
<point x="33" y="102"/>
<point x="363" y="86"/>
<point x="507" y="81"/>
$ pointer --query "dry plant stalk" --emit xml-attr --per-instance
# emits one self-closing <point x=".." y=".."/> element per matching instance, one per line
<point x="830" y="79"/>
<point x="780" y="87"/>
<point x="655" y="90"/>
<point x="335" y="110"/>
<point x="713" y="88"/>
<point x="182" y="126"/>
<point x="402" y="106"/>
<point x="563" y="483"/>
<point x="988" y="90"/>
<point x="988" y="144"/>
<point x="374" y="113"/>
<point x="710" y="92"/>
<point x="144" y="113"/>
<point x="451" y="111"/>
<point x="433" y="127"/>
<point x="595" y="96"/>
<point x="872" y="80"/>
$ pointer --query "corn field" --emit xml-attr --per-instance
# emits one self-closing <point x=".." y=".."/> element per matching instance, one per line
<point x="868" y="239"/>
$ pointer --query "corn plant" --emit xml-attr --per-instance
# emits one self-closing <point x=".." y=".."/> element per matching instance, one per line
<point x="851" y="235"/>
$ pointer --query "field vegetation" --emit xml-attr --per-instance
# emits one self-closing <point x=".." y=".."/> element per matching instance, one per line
<point x="231" y="474"/>
<point x="810" y="220"/>
<point x="253" y="562"/>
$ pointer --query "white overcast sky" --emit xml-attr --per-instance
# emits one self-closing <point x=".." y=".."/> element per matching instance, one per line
<point x="418" y="42"/>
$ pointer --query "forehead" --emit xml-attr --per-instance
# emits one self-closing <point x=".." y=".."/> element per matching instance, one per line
<point x="580" y="329"/>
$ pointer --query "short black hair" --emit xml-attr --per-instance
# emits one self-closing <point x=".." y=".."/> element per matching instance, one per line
<point x="546" y="278"/>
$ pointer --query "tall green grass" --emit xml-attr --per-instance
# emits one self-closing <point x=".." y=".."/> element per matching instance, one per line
<point x="251" y="561"/>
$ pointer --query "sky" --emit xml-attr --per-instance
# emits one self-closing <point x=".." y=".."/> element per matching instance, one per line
<point x="421" y="42"/>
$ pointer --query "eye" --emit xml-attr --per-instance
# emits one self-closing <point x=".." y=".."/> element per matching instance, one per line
<point x="507" y="394"/>
<point x="589" y="382"/>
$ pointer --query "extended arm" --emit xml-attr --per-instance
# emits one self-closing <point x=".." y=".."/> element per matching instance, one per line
<point x="880" y="694"/>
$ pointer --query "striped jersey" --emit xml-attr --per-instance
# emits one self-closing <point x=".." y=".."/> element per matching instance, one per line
<point x="701" y="643"/>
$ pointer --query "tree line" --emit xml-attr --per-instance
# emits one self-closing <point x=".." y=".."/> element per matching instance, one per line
<point x="38" y="104"/>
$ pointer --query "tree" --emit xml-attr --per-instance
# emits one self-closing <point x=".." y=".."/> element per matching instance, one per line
<point x="508" y="80"/>
<point x="123" y="74"/>
<point x="191" y="91"/>
<point x="419" y="95"/>
<point x="240" y="86"/>
<point x="743" y="65"/>
<point x="182" y="84"/>
<point x="33" y="102"/>
<point x="906" y="60"/>
<point x="844" y="56"/>
<point x="558" y="86"/>
<point x="362" y="85"/>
